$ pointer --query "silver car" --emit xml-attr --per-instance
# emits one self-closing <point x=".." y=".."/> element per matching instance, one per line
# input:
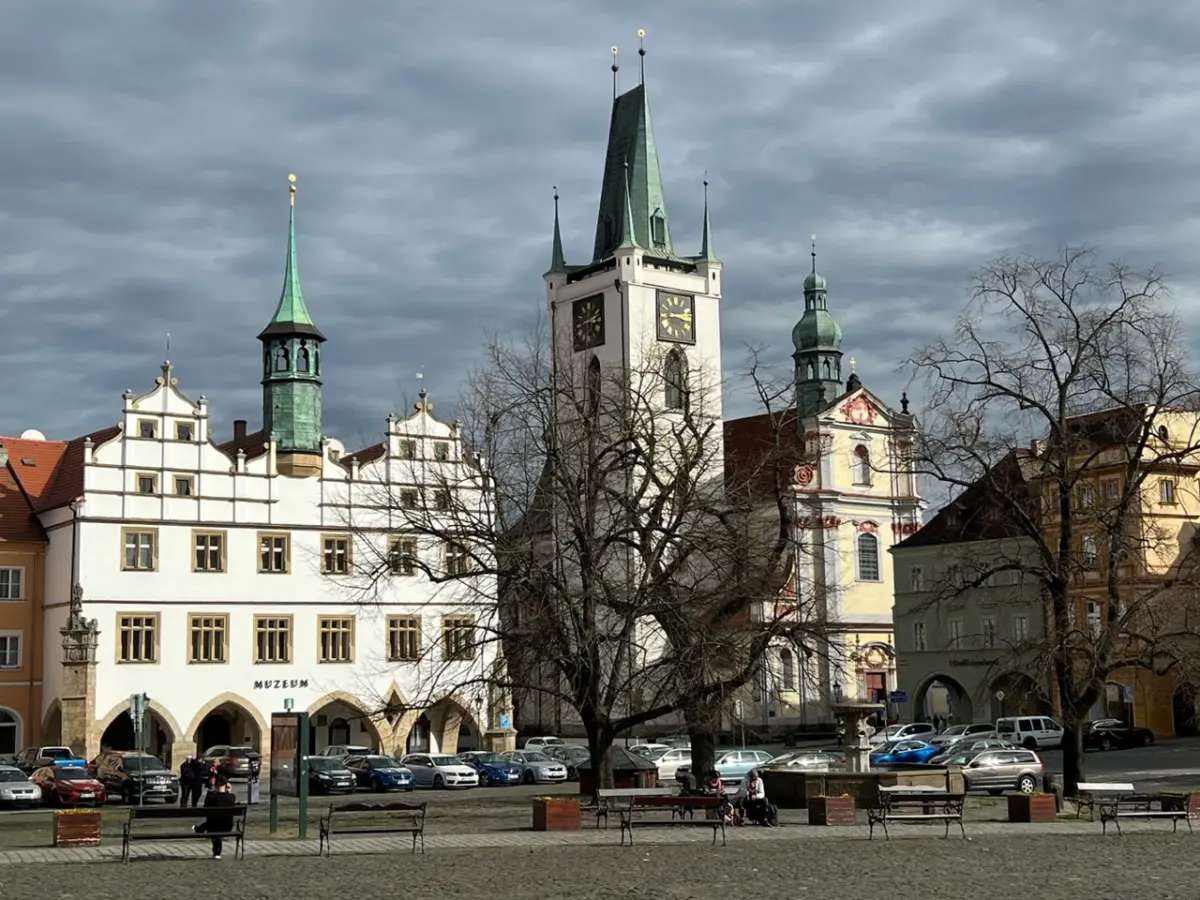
<point x="998" y="770"/>
<point x="536" y="767"/>
<point x="956" y="733"/>
<point x="16" y="789"/>
<point x="810" y="759"/>
<point x="440" y="770"/>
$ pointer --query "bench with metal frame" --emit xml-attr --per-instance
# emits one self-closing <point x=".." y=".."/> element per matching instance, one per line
<point x="398" y="818"/>
<point x="1141" y="806"/>
<point x="196" y="814"/>
<point x="682" y="809"/>
<point x="910" y="803"/>
<point x="1089" y="793"/>
<point x="608" y="798"/>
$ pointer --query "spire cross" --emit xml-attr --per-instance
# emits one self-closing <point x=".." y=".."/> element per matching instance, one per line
<point x="291" y="190"/>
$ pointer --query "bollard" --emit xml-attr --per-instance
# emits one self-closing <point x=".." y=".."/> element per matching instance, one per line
<point x="1053" y="785"/>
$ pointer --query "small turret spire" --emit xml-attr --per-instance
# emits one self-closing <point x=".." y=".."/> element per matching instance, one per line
<point x="291" y="309"/>
<point x="706" y="241"/>
<point x="558" y="262"/>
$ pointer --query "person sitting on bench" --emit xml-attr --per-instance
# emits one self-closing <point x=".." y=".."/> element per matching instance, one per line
<point x="752" y="799"/>
<point x="217" y="822"/>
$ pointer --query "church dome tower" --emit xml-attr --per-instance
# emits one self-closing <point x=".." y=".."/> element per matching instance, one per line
<point x="817" y="338"/>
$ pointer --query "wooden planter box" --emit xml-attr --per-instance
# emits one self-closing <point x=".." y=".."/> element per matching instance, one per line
<point x="830" y="810"/>
<point x="77" y="829"/>
<point x="1031" y="808"/>
<point x="556" y="814"/>
<point x="1189" y="803"/>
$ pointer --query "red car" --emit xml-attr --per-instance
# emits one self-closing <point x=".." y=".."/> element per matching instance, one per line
<point x="69" y="786"/>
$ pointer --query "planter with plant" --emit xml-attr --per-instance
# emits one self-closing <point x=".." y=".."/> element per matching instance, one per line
<point x="77" y="827"/>
<point x="556" y="814"/>
<point x="831" y="810"/>
<point x="1032" y="807"/>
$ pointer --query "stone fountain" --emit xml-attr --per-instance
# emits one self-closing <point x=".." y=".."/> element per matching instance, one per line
<point x="852" y="718"/>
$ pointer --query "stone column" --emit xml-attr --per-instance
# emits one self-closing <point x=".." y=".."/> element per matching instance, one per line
<point x="80" y="639"/>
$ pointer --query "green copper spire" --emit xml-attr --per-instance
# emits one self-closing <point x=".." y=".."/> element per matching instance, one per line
<point x="706" y="241"/>
<point x="817" y="338"/>
<point x="628" y="228"/>
<point x="291" y="312"/>
<point x="557" y="262"/>
<point x="631" y="170"/>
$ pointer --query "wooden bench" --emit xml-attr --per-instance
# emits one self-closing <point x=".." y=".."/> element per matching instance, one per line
<point x="399" y="818"/>
<point x="195" y="816"/>
<point x="607" y="798"/>
<point x="1142" y="806"/>
<point x="682" y="810"/>
<point x="1089" y="793"/>
<point x="905" y="803"/>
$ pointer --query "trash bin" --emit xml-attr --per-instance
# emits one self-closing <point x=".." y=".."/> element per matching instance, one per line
<point x="1052" y="784"/>
<point x="252" y="793"/>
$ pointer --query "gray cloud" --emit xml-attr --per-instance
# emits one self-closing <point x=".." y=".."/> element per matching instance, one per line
<point x="146" y="143"/>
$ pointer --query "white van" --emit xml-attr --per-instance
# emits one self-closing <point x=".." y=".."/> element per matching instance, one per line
<point x="1030" y="732"/>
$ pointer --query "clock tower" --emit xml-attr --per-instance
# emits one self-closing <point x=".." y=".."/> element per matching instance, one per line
<point x="639" y="308"/>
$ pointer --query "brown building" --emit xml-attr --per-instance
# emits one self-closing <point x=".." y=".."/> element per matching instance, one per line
<point x="26" y="468"/>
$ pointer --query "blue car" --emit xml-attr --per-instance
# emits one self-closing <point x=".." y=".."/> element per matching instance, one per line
<point x="492" y="768"/>
<point x="904" y="752"/>
<point x="380" y="773"/>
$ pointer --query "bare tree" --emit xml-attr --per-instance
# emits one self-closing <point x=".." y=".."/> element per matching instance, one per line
<point x="1063" y="400"/>
<point x="636" y="577"/>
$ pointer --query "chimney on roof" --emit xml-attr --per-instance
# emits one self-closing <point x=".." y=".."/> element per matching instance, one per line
<point x="3" y="457"/>
<point x="239" y="430"/>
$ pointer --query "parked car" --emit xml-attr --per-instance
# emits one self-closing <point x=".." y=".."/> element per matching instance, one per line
<point x="922" y="731"/>
<point x="341" y="751"/>
<point x="956" y="733"/>
<point x="234" y="762"/>
<point x="1113" y="734"/>
<point x="810" y="759"/>
<point x="381" y="773"/>
<point x="16" y="789"/>
<point x="537" y="768"/>
<point x="953" y="757"/>
<point x="669" y="762"/>
<point x="650" y="751"/>
<point x="731" y="765"/>
<point x="904" y="752"/>
<point x="69" y="786"/>
<point x="492" y="768"/>
<point x="998" y="770"/>
<point x="541" y="743"/>
<point x="439" y="770"/>
<point x="680" y="741"/>
<point x="571" y="757"/>
<point x="1030" y="732"/>
<point x="327" y="775"/>
<point x="31" y="759"/>
<point x="135" y="776"/>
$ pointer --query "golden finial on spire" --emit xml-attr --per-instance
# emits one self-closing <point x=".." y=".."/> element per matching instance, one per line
<point x="853" y="365"/>
<point x="292" y="189"/>
<point x="642" y="52"/>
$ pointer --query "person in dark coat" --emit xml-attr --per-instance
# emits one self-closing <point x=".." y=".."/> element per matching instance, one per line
<point x="220" y="797"/>
<point x="191" y="782"/>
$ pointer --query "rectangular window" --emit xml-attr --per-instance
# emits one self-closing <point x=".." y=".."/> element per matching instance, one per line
<point x="140" y="549"/>
<point x="917" y="578"/>
<point x="183" y="431"/>
<point x="410" y="499"/>
<point x="918" y="635"/>
<point x="12" y="583"/>
<point x="335" y="554"/>
<point x="868" y="556"/>
<point x="1092" y="611"/>
<point x="1020" y="628"/>
<point x="458" y="637"/>
<point x="441" y="500"/>
<point x="408" y="449"/>
<point x="185" y="485"/>
<point x="274" y="552"/>
<point x="1086" y="496"/>
<point x="404" y="638"/>
<point x="1089" y="554"/>
<point x="147" y="428"/>
<point x="403" y="556"/>
<point x="955" y="631"/>
<point x="336" y="639"/>
<point x="272" y="639"/>
<point x="147" y="483"/>
<point x="209" y="553"/>
<point x="1166" y="491"/>
<point x="458" y="560"/>
<point x="989" y="632"/>
<point x="1112" y="492"/>
<point x="137" y="638"/>
<point x="10" y="651"/>
<point x="208" y="638"/>
<point x="441" y="451"/>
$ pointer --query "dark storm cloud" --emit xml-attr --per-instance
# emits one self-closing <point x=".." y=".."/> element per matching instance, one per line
<point x="144" y="147"/>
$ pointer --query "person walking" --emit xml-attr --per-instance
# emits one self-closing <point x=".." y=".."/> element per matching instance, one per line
<point x="219" y="798"/>
<point x="191" y="782"/>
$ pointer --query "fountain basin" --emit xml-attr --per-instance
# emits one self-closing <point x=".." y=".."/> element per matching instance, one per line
<point x="791" y="788"/>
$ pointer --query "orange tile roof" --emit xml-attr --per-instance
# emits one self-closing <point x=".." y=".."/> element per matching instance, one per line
<point x="254" y="444"/>
<point x="31" y="466"/>
<point x="67" y="483"/>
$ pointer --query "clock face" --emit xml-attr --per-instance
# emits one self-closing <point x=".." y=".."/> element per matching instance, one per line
<point x="676" y="318"/>
<point x="587" y="322"/>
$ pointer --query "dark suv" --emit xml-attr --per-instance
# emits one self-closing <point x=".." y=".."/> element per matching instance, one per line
<point x="233" y="762"/>
<point x="133" y="776"/>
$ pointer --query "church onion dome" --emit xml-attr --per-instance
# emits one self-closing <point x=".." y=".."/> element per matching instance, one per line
<point x="814" y="282"/>
<point x="817" y="329"/>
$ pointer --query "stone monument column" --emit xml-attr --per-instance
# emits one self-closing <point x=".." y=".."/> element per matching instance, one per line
<point x="80" y="638"/>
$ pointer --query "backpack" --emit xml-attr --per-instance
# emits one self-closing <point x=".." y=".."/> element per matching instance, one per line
<point x="772" y="816"/>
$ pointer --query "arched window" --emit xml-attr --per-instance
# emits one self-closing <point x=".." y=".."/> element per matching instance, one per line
<point x="266" y="360"/>
<point x="828" y="371"/>
<point x="868" y="557"/>
<point x="281" y="359"/>
<point x="812" y="372"/>
<point x="862" y="465"/>
<point x="302" y="358"/>
<point x="593" y="387"/>
<point x="675" y="376"/>
<point x="317" y="360"/>
<point x="787" y="670"/>
<point x="10" y="733"/>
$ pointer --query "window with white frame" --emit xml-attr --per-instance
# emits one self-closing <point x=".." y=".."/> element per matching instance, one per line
<point x="916" y="577"/>
<point x="989" y="631"/>
<point x="868" y="557"/>
<point x="918" y="635"/>
<point x="954" y="628"/>
<point x="787" y="670"/>
<point x="1166" y="491"/>
<point x="12" y="583"/>
<point x="1020" y="628"/>
<point x="10" y="650"/>
<point x="1092" y="611"/>
<point x="862" y="465"/>
<point x="1089" y="551"/>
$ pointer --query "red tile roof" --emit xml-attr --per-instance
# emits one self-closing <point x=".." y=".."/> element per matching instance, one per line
<point x="254" y="444"/>
<point x="31" y="466"/>
<point x="364" y="456"/>
<point x="67" y="482"/>
<point x="757" y="446"/>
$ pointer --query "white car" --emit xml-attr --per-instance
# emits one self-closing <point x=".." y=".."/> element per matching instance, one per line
<point x="440" y="770"/>
<point x="16" y="789"/>
<point x="1030" y="732"/>
<point x="670" y="762"/>
<point x="340" y="751"/>
<point x="650" y="751"/>
<point x="956" y="733"/>
<point x="541" y="743"/>
<point x="913" y="731"/>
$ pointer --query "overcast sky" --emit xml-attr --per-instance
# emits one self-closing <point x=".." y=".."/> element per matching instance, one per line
<point x="144" y="147"/>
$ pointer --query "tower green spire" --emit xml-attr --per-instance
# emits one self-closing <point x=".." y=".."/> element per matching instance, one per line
<point x="628" y="228"/>
<point x="291" y="342"/>
<point x="706" y="241"/>
<point x="557" y="261"/>
<point x="817" y="338"/>
<point x="631" y="147"/>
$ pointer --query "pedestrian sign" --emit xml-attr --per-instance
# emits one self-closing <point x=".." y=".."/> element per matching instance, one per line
<point x="503" y="720"/>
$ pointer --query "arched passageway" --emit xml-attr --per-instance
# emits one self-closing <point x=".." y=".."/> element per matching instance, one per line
<point x="229" y="722"/>
<point x="156" y="737"/>
<point x="941" y="696"/>
<point x="340" y="719"/>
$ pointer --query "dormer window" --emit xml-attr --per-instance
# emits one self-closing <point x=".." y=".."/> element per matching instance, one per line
<point x="147" y="428"/>
<point x="441" y="451"/>
<point x="658" y="229"/>
<point x="281" y="359"/>
<point x="183" y="431"/>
